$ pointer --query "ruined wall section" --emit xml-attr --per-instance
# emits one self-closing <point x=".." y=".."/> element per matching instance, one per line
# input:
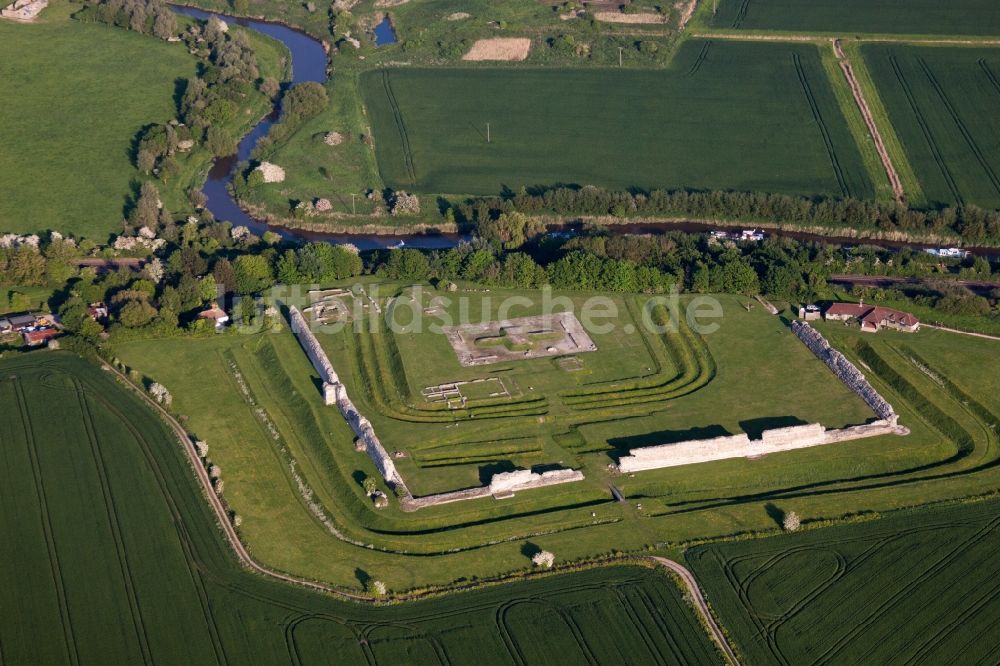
<point x="845" y="370"/>
<point x="741" y="446"/>
<point x="334" y="392"/>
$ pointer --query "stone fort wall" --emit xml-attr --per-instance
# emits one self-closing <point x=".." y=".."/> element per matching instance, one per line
<point x="845" y="370"/>
<point x="335" y="393"/>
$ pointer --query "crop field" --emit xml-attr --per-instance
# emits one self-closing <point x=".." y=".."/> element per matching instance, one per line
<point x="724" y="116"/>
<point x="944" y="104"/>
<point x="920" y="587"/>
<point x="848" y="17"/>
<point x="110" y="556"/>
<point x="67" y="130"/>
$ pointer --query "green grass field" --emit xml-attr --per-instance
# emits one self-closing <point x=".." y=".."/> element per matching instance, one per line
<point x="944" y="104"/>
<point x="920" y="587"/>
<point x="959" y="17"/>
<point x="71" y="110"/>
<point x="636" y="390"/>
<point x="724" y="116"/>
<point x="111" y="556"/>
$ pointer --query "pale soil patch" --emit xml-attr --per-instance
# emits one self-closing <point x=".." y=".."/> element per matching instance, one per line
<point x="572" y="15"/>
<point x="457" y="16"/>
<point x="499" y="48"/>
<point x="686" y="9"/>
<point x="619" y="17"/>
<point x="390" y="3"/>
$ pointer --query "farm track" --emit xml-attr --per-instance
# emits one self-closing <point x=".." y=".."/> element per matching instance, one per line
<point x="989" y="74"/>
<point x="824" y="130"/>
<point x="699" y="601"/>
<point x="58" y="583"/>
<point x="401" y="126"/>
<point x="873" y="131"/>
<point x="114" y="524"/>
<point x="960" y="124"/>
<point x="932" y="144"/>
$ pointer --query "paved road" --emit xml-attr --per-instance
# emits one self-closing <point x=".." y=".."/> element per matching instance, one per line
<point x="699" y="601"/>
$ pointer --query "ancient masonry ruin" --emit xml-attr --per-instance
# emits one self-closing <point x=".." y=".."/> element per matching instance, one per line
<point x="24" y="10"/>
<point x="845" y="370"/>
<point x="778" y="439"/>
<point x="334" y="393"/>
<point x="502" y="485"/>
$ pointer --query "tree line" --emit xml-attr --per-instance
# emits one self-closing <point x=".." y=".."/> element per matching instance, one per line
<point x="972" y="224"/>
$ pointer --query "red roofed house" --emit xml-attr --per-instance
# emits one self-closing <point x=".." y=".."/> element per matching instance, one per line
<point x="215" y="314"/>
<point x="872" y="317"/>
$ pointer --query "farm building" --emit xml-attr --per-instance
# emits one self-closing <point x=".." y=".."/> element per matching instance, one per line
<point x="872" y="317"/>
<point x="809" y="312"/>
<point x="38" y="336"/>
<point x="215" y="314"/>
<point x="21" y="321"/>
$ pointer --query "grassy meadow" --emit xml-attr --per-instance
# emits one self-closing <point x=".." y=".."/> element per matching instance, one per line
<point x="917" y="587"/>
<point x="112" y="556"/>
<point x="944" y="105"/>
<point x="912" y="17"/>
<point x="298" y="488"/>
<point x="724" y="116"/>
<point x="75" y="95"/>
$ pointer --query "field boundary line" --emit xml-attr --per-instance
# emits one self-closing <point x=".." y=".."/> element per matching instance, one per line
<point x="699" y="601"/>
<point x="873" y="131"/>
<point x="765" y="36"/>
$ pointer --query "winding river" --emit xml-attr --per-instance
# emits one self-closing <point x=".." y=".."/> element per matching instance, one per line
<point x="309" y="63"/>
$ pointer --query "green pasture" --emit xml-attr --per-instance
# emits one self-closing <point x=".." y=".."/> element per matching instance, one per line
<point x="944" y="105"/>
<point x="917" y="587"/>
<point x="111" y="556"/>
<point x="638" y="389"/>
<point x="848" y="17"/>
<point x="75" y="95"/>
<point x="725" y="115"/>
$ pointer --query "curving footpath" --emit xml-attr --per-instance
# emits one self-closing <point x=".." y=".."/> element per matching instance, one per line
<point x="699" y="602"/>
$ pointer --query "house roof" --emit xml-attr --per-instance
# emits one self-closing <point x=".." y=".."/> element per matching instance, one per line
<point x="40" y="334"/>
<point x="872" y="315"/>
<point x="214" y="312"/>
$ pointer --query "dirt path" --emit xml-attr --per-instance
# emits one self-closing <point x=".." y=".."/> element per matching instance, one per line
<point x="859" y="99"/>
<point x="961" y="332"/>
<point x="699" y="601"/>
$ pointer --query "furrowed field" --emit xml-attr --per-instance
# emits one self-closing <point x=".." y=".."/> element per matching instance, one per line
<point x="111" y="557"/>
<point x="74" y="97"/>
<point x="958" y="17"/>
<point x="919" y="587"/>
<point x="724" y="116"/>
<point x="944" y="105"/>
